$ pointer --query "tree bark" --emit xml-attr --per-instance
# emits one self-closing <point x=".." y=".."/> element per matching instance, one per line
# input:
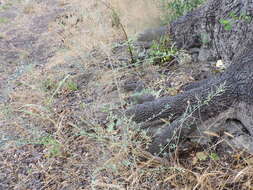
<point x="229" y="30"/>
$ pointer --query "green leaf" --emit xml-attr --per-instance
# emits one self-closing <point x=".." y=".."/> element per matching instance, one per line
<point x="228" y="27"/>
<point x="214" y="156"/>
<point x="224" y="22"/>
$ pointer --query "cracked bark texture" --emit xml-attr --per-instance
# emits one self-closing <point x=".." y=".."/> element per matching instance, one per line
<point x="234" y="46"/>
<point x="188" y="31"/>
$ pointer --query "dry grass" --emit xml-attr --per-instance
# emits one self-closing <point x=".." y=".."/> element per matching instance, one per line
<point x="63" y="115"/>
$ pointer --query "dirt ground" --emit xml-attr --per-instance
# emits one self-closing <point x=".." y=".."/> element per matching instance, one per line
<point x="42" y="45"/>
<point x="62" y="67"/>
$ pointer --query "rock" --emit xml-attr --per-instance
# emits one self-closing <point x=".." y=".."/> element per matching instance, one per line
<point x="133" y="85"/>
<point x="205" y="55"/>
<point x="146" y="38"/>
<point x="234" y="126"/>
<point x="140" y="99"/>
<point x="152" y="34"/>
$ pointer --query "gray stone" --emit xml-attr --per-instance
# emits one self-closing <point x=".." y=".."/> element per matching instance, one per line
<point x="152" y="34"/>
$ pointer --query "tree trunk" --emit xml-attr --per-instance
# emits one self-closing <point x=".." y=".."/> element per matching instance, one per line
<point x="227" y="28"/>
<point x="223" y="26"/>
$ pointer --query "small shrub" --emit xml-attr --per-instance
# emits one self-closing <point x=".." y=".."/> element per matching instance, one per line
<point x="162" y="52"/>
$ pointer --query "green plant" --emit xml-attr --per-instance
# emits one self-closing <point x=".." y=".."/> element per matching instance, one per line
<point x="3" y="20"/>
<point x="71" y="85"/>
<point x="116" y="21"/>
<point x="49" y="84"/>
<point x="227" y="24"/>
<point x="203" y="156"/>
<point x="214" y="156"/>
<point x="242" y="16"/>
<point x="6" y="6"/>
<point x="122" y="137"/>
<point x="177" y="8"/>
<point x="57" y="89"/>
<point x="52" y="145"/>
<point x="162" y="52"/>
